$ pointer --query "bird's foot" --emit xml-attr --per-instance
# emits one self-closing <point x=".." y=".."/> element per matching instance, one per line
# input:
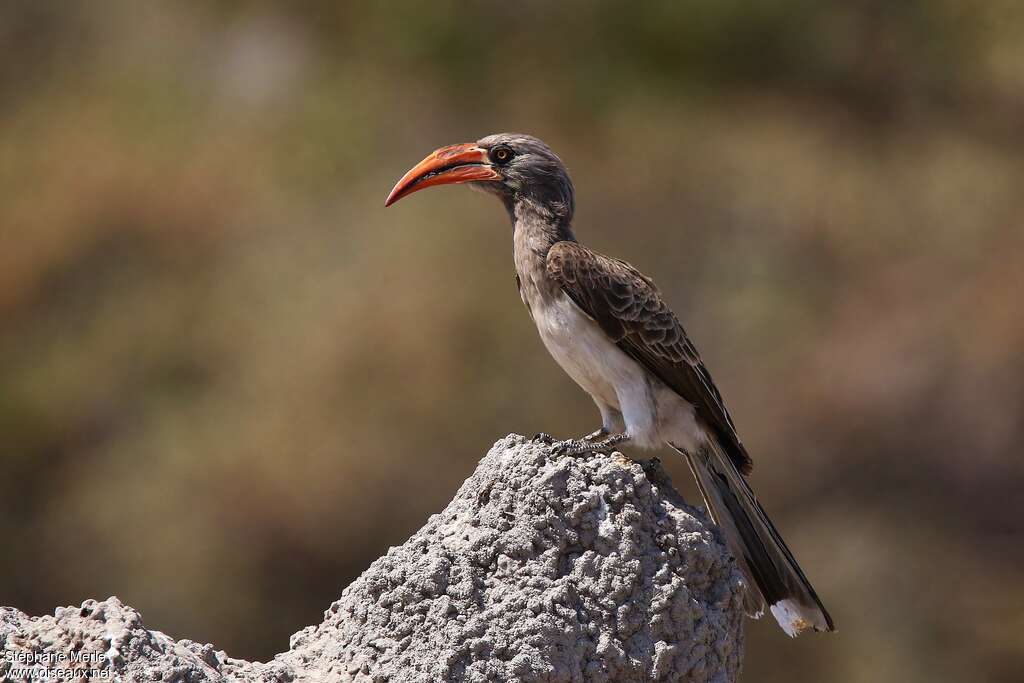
<point x="598" y="434"/>
<point x="571" y="447"/>
<point x="574" y="447"/>
<point x="541" y="437"/>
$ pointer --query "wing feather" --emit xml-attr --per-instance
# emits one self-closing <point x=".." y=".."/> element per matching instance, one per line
<point x="629" y="309"/>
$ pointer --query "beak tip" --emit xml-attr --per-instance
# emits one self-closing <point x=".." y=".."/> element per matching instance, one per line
<point x="454" y="164"/>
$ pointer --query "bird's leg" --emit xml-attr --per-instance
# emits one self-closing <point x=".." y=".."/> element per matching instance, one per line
<point x="581" y="447"/>
<point x="614" y="440"/>
<point x="611" y="422"/>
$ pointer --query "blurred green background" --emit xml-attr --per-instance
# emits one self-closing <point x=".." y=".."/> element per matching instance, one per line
<point x="229" y="379"/>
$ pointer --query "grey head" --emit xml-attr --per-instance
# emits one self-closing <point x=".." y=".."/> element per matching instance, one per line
<point x="520" y="169"/>
<point x="531" y="174"/>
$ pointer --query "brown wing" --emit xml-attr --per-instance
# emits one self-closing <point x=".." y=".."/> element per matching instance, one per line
<point x="628" y="307"/>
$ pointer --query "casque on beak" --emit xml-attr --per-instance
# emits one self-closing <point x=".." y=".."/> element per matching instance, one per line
<point x="455" y="164"/>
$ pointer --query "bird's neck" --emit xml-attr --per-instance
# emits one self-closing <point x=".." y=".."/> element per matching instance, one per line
<point x="537" y="228"/>
<point x="535" y="231"/>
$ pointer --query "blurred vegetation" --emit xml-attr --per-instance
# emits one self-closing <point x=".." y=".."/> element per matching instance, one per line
<point x="229" y="379"/>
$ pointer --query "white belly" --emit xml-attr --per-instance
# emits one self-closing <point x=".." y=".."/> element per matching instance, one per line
<point x="580" y="347"/>
<point x="652" y="413"/>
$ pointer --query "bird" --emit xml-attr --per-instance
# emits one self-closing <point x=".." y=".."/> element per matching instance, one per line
<point x="608" y="327"/>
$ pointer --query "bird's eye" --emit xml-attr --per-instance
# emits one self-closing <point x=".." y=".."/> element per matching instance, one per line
<point x="502" y="154"/>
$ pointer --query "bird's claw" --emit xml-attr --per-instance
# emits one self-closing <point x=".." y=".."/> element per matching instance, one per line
<point x="562" y="447"/>
<point x="541" y="437"/>
<point x="596" y="434"/>
<point x="581" y="446"/>
<point x="574" y="447"/>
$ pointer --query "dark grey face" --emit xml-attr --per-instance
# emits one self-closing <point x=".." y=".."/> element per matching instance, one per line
<point x="530" y="172"/>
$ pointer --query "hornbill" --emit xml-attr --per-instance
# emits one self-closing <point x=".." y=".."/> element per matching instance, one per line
<point x="608" y="327"/>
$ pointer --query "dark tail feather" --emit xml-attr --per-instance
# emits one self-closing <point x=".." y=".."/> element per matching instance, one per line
<point x="759" y="549"/>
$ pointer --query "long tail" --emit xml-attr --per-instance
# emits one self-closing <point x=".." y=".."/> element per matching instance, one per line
<point x="759" y="549"/>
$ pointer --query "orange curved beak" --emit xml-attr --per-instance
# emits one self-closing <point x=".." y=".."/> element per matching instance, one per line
<point x="455" y="164"/>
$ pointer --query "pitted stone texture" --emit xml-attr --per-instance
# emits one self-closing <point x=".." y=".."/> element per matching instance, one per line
<point x="542" y="569"/>
<point x="105" y="641"/>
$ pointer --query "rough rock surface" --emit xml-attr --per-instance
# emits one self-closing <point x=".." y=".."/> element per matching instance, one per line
<point x="107" y="641"/>
<point x="542" y="568"/>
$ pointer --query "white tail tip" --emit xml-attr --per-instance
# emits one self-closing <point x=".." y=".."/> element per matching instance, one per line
<point x="787" y="613"/>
